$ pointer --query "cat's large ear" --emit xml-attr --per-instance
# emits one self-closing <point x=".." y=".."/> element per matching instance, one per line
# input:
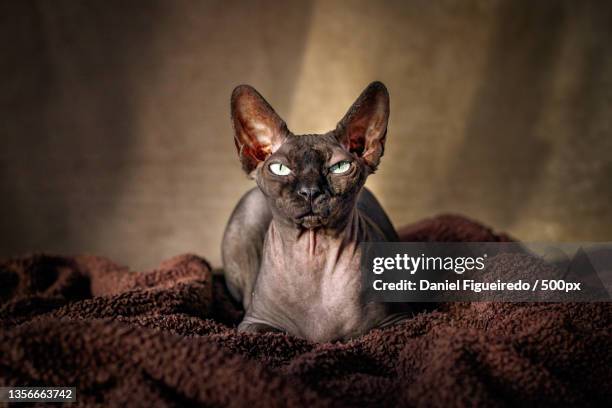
<point x="258" y="130"/>
<point x="364" y="127"/>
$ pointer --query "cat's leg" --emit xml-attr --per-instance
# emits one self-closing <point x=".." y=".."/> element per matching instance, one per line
<point x="398" y="312"/>
<point x="249" y="327"/>
<point x="243" y="243"/>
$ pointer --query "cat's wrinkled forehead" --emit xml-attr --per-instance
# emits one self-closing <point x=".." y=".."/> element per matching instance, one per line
<point x="314" y="149"/>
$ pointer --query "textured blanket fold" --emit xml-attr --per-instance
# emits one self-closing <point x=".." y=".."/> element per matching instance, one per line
<point x="167" y="338"/>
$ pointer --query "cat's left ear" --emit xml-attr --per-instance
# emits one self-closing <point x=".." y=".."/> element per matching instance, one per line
<point x="364" y="127"/>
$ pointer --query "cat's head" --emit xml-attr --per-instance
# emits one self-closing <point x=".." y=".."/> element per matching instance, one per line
<point x="310" y="180"/>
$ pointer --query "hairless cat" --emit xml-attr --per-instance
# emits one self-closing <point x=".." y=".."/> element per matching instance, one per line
<point x="291" y="250"/>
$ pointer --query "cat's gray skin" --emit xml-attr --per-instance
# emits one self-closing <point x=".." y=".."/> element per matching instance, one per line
<point x="291" y="248"/>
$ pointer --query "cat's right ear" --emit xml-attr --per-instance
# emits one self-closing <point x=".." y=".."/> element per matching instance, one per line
<point x="258" y="130"/>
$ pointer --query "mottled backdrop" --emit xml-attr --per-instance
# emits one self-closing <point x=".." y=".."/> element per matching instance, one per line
<point x="116" y="137"/>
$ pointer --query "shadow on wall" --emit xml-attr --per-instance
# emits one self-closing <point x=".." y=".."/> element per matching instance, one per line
<point x="590" y="125"/>
<point x="502" y="158"/>
<point x="67" y="119"/>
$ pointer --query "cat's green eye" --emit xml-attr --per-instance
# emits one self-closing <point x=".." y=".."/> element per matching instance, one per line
<point x="279" y="169"/>
<point x="340" y="167"/>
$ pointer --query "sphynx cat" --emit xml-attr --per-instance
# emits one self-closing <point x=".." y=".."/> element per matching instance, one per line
<point x="291" y="250"/>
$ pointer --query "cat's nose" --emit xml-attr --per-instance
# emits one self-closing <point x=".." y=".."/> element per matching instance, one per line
<point x="309" y="193"/>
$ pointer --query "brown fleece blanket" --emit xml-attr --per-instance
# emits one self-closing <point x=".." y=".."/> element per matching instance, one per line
<point x="166" y="338"/>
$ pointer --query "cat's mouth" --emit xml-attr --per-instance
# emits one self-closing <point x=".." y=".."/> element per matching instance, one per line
<point x="311" y="220"/>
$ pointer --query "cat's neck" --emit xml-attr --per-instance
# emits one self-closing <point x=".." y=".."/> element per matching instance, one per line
<point x="294" y="240"/>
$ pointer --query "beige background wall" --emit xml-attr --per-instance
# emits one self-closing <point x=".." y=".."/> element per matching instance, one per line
<point x="115" y="126"/>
